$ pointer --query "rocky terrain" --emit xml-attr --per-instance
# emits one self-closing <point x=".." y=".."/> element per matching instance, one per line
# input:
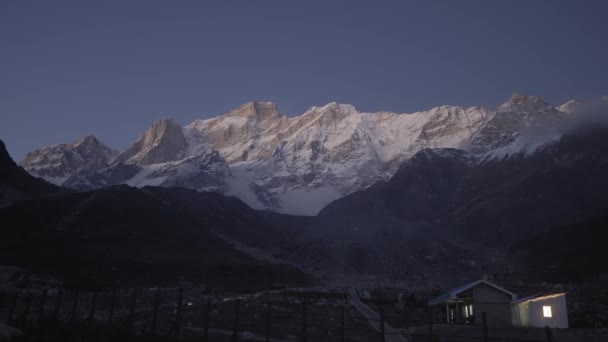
<point x="125" y="236"/>
<point x="16" y="184"/>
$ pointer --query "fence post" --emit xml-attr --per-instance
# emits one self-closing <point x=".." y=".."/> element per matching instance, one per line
<point x="431" y="326"/>
<point x="206" y="322"/>
<point x="74" y="307"/>
<point x="382" y="335"/>
<point x="22" y="322"/>
<point x="93" y="307"/>
<point x="235" y="330"/>
<point x="42" y="304"/>
<point x="178" y="313"/>
<point x="303" y="322"/>
<point x="268" y="320"/>
<point x="548" y="334"/>
<point x="155" y="312"/>
<point x="131" y="317"/>
<point x="58" y="303"/>
<point x="111" y="310"/>
<point x="484" y="322"/>
<point x="342" y="318"/>
<point x="11" y="310"/>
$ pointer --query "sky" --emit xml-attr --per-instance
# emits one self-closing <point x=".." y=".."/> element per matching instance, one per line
<point x="112" y="68"/>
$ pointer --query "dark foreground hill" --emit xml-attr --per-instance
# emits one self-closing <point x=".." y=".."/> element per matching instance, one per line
<point x="16" y="184"/>
<point x="492" y="201"/>
<point x="574" y="252"/>
<point x="126" y="235"/>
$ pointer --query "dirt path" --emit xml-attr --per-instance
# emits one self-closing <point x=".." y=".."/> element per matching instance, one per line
<point x="392" y="334"/>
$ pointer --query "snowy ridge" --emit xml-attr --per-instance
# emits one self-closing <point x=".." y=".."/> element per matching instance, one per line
<point x="301" y="163"/>
<point x="57" y="163"/>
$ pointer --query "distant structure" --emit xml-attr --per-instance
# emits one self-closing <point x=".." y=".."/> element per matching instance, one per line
<point x="542" y="310"/>
<point x="465" y="304"/>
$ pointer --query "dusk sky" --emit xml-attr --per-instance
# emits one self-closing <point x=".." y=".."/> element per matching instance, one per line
<point x="111" y="68"/>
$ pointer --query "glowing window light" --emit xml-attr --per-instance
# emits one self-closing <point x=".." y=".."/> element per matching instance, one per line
<point x="547" y="311"/>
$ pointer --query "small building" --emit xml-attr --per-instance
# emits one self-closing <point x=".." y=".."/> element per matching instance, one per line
<point x="464" y="305"/>
<point x="541" y="310"/>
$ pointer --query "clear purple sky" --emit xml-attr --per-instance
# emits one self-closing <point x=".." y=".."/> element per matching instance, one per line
<point x="111" y="68"/>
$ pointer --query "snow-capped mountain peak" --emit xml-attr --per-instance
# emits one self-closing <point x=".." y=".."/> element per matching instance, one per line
<point x="89" y="140"/>
<point x="58" y="162"/>
<point x="298" y="164"/>
<point x="258" y="110"/>
<point x="164" y="141"/>
<point x="523" y="102"/>
<point x="569" y="107"/>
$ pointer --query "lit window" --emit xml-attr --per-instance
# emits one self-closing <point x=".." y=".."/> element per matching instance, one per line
<point x="468" y="310"/>
<point x="547" y="311"/>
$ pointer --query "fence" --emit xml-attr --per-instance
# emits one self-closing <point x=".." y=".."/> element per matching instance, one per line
<point x="175" y="314"/>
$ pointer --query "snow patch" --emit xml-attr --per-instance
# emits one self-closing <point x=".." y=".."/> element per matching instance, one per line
<point x="307" y="202"/>
<point x="238" y="184"/>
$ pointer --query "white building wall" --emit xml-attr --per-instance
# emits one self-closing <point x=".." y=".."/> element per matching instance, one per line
<point x="521" y="314"/>
<point x="531" y="312"/>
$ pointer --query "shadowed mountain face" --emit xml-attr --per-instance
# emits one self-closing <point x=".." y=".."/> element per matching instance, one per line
<point x="16" y="184"/>
<point x="494" y="202"/>
<point x="569" y="253"/>
<point x="122" y="235"/>
<point x="444" y="212"/>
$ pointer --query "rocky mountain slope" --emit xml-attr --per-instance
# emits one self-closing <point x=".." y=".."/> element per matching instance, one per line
<point x="577" y="251"/>
<point x="445" y="214"/>
<point x="16" y="184"/>
<point x="301" y="163"/>
<point x="58" y="162"/>
<point x="495" y="201"/>
<point x="127" y="236"/>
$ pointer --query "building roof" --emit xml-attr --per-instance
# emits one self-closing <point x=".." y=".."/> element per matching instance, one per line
<point x="539" y="296"/>
<point x="453" y="293"/>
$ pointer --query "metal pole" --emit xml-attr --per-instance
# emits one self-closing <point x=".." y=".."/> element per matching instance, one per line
<point x="206" y="323"/>
<point x="131" y="316"/>
<point x="382" y="335"/>
<point x="548" y="334"/>
<point x="11" y="310"/>
<point x="342" y="319"/>
<point x="303" y="322"/>
<point x="111" y="310"/>
<point x="484" y="321"/>
<point x="268" y="320"/>
<point x="235" y="330"/>
<point x="431" y="325"/>
<point x="42" y="304"/>
<point x="26" y="313"/>
<point x="178" y="313"/>
<point x="58" y="303"/>
<point x="93" y="307"/>
<point x="155" y="312"/>
<point x="74" y="307"/>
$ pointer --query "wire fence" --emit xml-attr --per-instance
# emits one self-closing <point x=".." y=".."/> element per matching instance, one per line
<point x="178" y="314"/>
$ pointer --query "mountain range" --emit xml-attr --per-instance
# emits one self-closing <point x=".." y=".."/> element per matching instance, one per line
<point x="443" y="213"/>
<point x="299" y="164"/>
